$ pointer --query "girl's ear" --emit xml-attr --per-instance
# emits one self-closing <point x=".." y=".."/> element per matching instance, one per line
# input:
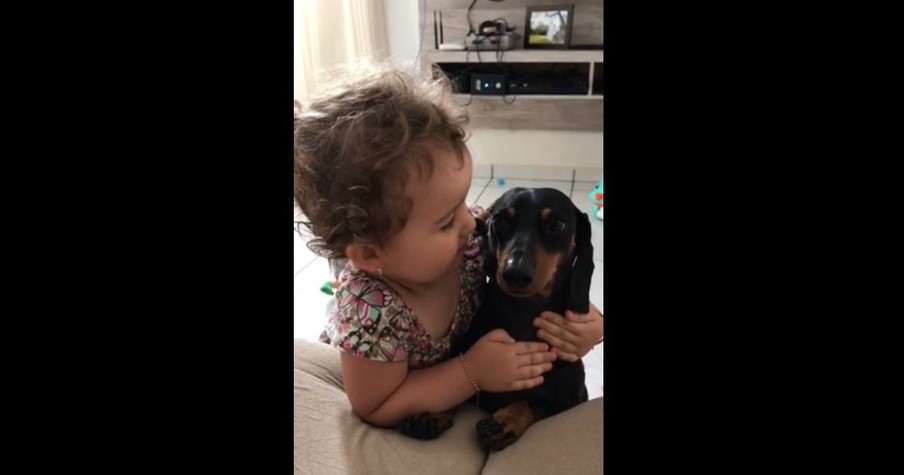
<point x="365" y="257"/>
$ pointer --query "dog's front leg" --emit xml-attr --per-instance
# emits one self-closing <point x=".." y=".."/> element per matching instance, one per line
<point x="426" y="425"/>
<point x="505" y="426"/>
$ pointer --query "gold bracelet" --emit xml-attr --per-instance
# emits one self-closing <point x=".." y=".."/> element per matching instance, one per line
<point x="461" y="357"/>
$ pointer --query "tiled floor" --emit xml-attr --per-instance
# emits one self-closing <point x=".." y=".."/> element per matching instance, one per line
<point x="311" y="272"/>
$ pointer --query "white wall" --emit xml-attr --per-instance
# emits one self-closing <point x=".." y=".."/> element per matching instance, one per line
<point x="402" y="29"/>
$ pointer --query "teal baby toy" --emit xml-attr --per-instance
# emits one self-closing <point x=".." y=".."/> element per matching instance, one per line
<point x="596" y="197"/>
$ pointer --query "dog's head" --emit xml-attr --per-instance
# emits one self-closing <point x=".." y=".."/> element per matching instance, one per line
<point x="534" y="237"/>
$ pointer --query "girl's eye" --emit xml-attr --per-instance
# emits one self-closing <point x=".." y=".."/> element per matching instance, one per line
<point x="556" y="226"/>
<point x="448" y="226"/>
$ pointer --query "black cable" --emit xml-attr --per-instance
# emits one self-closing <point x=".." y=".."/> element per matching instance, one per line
<point x="468" y="15"/>
<point x="498" y="43"/>
<point x="477" y="52"/>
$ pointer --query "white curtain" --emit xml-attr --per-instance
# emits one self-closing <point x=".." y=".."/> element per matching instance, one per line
<point x="332" y="32"/>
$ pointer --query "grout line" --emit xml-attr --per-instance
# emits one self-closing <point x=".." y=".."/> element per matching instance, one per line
<point x="306" y="265"/>
<point x="571" y="193"/>
<point x="541" y="179"/>
<point x="485" y="185"/>
<point x="313" y="260"/>
<point x="313" y="257"/>
<point x="573" y="179"/>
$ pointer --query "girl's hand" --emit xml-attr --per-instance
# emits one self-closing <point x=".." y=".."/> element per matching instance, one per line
<point x="572" y="336"/>
<point x="498" y="363"/>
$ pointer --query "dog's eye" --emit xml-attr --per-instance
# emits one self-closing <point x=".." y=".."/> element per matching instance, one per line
<point x="500" y="223"/>
<point x="556" y="226"/>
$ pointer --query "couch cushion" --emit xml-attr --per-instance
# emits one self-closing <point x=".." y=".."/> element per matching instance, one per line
<point x="570" y="442"/>
<point x="330" y="439"/>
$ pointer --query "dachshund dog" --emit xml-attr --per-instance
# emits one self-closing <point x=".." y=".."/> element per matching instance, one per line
<point x="538" y="257"/>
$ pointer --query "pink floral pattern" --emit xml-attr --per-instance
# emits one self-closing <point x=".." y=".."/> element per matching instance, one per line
<point x="371" y="320"/>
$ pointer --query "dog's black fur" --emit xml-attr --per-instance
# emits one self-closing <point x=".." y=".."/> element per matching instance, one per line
<point x="543" y="244"/>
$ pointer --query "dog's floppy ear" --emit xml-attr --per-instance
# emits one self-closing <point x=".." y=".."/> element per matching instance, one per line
<point x="582" y="268"/>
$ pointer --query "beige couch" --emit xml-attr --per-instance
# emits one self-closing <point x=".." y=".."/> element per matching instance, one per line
<point x="331" y="440"/>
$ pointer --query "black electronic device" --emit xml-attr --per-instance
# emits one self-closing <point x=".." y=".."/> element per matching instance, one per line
<point x="488" y="84"/>
<point x="491" y="35"/>
<point x="546" y="87"/>
<point x="565" y="82"/>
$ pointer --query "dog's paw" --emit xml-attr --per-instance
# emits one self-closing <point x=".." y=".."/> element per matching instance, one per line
<point x="494" y="436"/>
<point x="426" y="426"/>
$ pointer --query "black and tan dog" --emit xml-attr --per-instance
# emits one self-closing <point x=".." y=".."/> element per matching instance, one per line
<point x="538" y="257"/>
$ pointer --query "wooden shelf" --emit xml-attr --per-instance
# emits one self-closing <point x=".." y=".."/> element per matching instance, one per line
<point x="532" y="114"/>
<point x="517" y="56"/>
<point x="578" y="112"/>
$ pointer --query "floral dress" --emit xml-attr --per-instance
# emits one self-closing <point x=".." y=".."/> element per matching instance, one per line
<point x="371" y="321"/>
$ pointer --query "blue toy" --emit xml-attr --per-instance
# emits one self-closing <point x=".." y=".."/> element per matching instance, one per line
<point x="596" y="197"/>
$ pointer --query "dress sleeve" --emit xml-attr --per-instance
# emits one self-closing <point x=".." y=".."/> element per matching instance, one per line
<point x="371" y="322"/>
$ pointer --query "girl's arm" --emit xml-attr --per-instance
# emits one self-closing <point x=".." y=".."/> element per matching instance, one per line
<point x="383" y="393"/>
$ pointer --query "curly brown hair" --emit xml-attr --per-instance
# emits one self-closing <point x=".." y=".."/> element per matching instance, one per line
<point x="355" y="143"/>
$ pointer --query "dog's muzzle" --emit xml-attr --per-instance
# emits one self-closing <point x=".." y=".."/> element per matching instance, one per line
<point x="518" y="270"/>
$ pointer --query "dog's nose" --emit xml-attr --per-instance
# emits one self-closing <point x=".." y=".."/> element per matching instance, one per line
<point x="518" y="271"/>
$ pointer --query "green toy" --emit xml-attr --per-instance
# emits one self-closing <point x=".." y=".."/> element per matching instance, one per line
<point x="596" y="197"/>
<point x="327" y="288"/>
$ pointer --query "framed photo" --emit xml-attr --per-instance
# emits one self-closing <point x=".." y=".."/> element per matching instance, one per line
<point x="548" y="27"/>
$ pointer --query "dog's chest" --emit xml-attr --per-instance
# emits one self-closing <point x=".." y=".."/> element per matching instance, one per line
<point x="516" y="315"/>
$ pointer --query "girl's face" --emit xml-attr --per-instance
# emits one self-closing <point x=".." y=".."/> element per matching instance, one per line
<point x="431" y="243"/>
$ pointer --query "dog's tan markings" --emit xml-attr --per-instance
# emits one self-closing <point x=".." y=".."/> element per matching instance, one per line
<point x="545" y="271"/>
<point x="544" y="276"/>
<point x="505" y="426"/>
<point x="546" y="213"/>
<point x="442" y="420"/>
<point x="514" y="418"/>
<point x="426" y="426"/>
<point x="510" y="211"/>
<point x="555" y="260"/>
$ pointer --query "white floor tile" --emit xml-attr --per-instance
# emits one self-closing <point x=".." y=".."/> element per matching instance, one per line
<point x="297" y="215"/>
<point x="311" y="304"/>
<point x="596" y="285"/>
<point x="597" y="234"/>
<point x="494" y="191"/>
<point x="483" y="170"/>
<point x="303" y="255"/>
<point x="593" y="361"/>
<point x="527" y="172"/>
<point x="593" y="372"/>
<point x="591" y="175"/>
<point x="477" y="187"/>
<point x="580" y="193"/>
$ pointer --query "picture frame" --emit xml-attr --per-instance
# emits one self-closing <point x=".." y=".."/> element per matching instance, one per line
<point x="548" y="27"/>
